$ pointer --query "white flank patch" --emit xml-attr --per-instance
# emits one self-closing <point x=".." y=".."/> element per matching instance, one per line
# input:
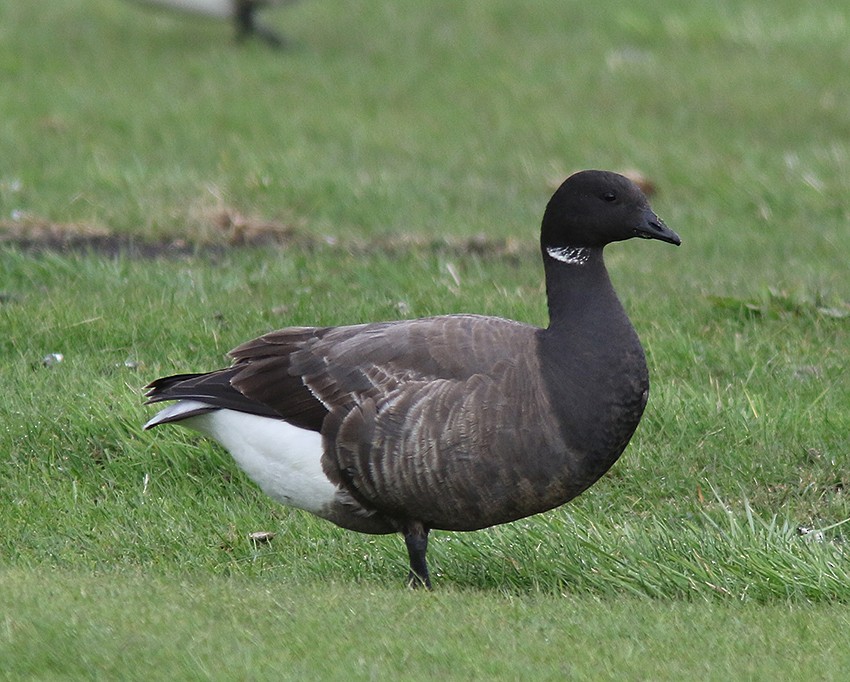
<point x="572" y="255"/>
<point x="284" y="460"/>
<point x="175" y="412"/>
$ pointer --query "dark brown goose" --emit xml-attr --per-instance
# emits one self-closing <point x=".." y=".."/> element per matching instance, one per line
<point x="456" y="422"/>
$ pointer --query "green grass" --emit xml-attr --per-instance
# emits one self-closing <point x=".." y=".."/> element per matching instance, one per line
<point x="389" y="135"/>
<point x="274" y="629"/>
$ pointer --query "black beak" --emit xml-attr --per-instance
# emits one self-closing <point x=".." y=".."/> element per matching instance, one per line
<point x="652" y="227"/>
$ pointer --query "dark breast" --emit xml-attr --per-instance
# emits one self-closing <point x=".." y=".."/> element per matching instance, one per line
<point x="460" y="422"/>
<point x="468" y="452"/>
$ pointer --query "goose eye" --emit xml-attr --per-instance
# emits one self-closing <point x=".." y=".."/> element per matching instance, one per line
<point x="609" y="197"/>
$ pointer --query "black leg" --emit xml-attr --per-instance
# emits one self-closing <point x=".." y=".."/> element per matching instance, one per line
<point x="416" y="539"/>
<point x="246" y="26"/>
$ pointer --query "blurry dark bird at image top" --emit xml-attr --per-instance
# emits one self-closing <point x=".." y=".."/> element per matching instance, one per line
<point x="454" y="422"/>
<point x="243" y="14"/>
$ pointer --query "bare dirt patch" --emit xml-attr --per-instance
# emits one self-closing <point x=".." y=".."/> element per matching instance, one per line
<point x="219" y="232"/>
<point x="224" y="230"/>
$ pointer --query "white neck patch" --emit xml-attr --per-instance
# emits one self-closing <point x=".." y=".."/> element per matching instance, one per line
<point x="572" y="255"/>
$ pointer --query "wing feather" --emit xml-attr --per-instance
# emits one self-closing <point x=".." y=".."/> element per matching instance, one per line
<point x="410" y="412"/>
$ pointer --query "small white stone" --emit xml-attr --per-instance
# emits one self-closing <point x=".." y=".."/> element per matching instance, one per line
<point x="261" y="537"/>
<point x="52" y="359"/>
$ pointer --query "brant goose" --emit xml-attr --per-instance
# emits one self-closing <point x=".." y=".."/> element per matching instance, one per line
<point x="456" y="422"/>
<point x="241" y="12"/>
